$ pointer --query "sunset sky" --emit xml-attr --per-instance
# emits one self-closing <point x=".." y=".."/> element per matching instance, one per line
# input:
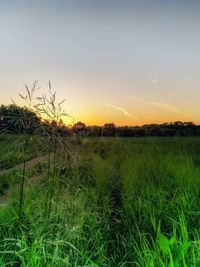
<point x="127" y="62"/>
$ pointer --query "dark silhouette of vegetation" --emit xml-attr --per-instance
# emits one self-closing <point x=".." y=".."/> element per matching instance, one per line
<point x="165" y="129"/>
<point x="16" y="119"/>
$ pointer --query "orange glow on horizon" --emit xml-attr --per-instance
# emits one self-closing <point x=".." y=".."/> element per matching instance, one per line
<point x="137" y="115"/>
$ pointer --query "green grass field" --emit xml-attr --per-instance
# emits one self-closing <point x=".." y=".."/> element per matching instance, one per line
<point x="105" y="202"/>
<point x="11" y="150"/>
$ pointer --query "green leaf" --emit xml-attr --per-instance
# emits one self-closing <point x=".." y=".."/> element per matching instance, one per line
<point x="182" y="249"/>
<point x="172" y="241"/>
<point x="164" y="244"/>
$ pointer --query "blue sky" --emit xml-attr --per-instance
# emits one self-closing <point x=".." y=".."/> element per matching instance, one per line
<point x="129" y="62"/>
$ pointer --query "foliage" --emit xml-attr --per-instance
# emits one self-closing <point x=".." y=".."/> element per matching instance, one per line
<point x="107" y="202"/>
<point x="115" y="202"/>
<point x="15" y="119"/>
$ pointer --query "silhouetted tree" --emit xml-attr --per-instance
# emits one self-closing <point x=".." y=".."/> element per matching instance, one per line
<point x="79" y="128"/>
<point x="109" y="129"/>
<point x="15" y="119"/>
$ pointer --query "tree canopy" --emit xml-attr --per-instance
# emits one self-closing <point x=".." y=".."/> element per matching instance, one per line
<point x="16" y="119"/>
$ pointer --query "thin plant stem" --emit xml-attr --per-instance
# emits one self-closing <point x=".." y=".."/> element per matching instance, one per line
<point x="21" y="200"/>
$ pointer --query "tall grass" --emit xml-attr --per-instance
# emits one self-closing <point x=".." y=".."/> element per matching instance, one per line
<point x="115" y="202"/>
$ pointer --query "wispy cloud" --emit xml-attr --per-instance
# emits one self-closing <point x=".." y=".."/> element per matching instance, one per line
<point x="123" y="110"/>
<point x="167" y="106"/>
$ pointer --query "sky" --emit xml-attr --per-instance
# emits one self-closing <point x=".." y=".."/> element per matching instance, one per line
<point x="127" y="62"/>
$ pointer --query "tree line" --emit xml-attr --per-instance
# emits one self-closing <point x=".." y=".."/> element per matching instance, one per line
<point x="17" y="120"/>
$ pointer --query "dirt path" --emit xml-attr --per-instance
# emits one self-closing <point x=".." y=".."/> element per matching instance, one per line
<point x="29" y="164"/>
